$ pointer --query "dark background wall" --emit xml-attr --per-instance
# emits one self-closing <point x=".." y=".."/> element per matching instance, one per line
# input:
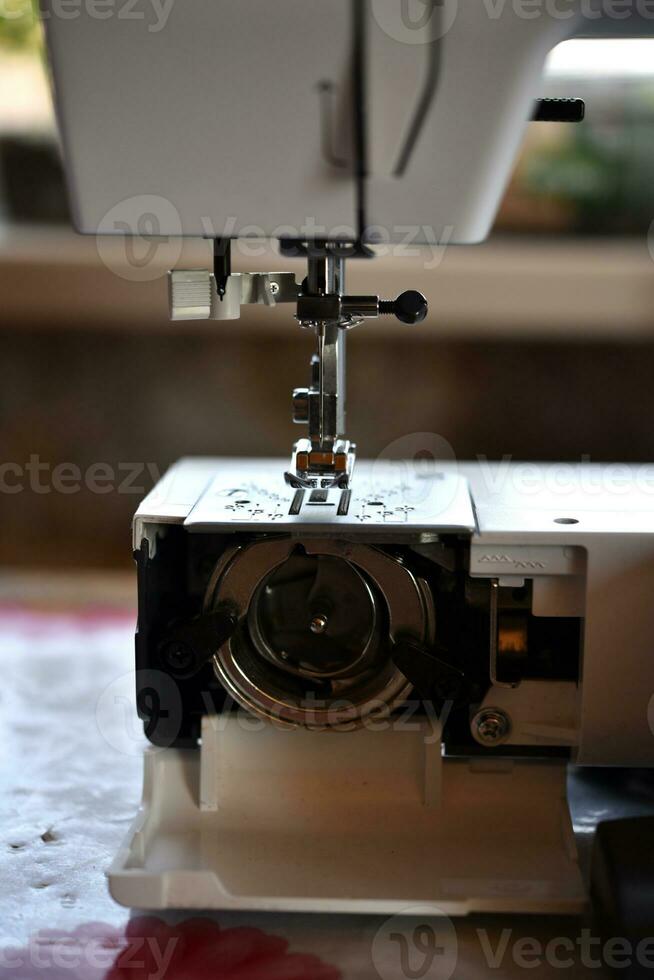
<point x="70" y="396"/>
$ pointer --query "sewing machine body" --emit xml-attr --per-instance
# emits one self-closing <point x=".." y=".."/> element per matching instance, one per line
<point x="302" y="119"/>
<point x="242" y="813"/>
<point x="292" y="615"/>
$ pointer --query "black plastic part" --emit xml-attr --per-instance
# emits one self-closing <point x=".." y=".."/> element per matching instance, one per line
<point x="187" y="647"/>
<point x="559" y="110"/>
<point x="409" y="307"/>
<point x="433" y="678"/>
<point x="622" y="881"/>
<point x="172" y="582"/>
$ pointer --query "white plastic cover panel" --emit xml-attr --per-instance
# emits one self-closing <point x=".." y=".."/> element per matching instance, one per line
<point x="365" y="821"/>
<point x="202" y="117"/>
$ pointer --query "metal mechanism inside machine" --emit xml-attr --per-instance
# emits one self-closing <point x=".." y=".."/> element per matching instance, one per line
<point x="326" y="457"/>
<point x="325" y="631"/>
<point x="318" y="621"/>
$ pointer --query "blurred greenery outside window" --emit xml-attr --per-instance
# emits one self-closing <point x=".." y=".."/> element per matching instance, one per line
<point x="19" y="25"/>
<point x="588" y="178"/>
<point x="594" y="177"/>
<point x="31" y="181"/>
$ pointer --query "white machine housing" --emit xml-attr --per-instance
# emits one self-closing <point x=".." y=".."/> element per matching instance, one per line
<point x="368" y="120"/>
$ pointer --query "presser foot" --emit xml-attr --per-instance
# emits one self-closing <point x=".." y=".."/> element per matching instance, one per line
<point x="312" y="468"/>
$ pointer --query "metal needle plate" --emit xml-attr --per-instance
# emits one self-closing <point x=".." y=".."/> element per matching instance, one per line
<point x="387" y="497"/>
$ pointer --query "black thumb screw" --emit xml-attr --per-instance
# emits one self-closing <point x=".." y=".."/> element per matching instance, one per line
<point x="409" y="307"/>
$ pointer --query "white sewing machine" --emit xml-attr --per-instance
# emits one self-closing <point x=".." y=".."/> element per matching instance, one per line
<point x="417" y="650"/>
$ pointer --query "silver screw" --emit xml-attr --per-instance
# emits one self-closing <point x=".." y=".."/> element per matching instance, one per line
<point x="491" y="726"/>
<point x="274" y="288"/>
<point x="319" y="624"/>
